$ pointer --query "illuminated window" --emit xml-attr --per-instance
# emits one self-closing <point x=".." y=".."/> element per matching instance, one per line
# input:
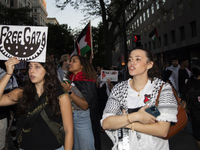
<point x="148" y="13"/>
<point x="157" y="4"/>
<point x="152" y="9"/>
<point x="140" y="19"/>
<point x="144" y="16"/>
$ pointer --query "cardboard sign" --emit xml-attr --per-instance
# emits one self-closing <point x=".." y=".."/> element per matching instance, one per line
<point x="25" y="42"/>
<point x="109" y="74"/>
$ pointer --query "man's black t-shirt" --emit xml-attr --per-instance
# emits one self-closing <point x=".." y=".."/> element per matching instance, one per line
<point x="182" y="77"/>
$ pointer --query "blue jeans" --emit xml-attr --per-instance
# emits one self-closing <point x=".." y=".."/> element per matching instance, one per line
<point x="83" y="135"/>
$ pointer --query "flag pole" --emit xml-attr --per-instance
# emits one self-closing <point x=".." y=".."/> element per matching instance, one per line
<point x="161" y="55"/>
<point x="159" y="43"/>
<point x="91" y="40"/>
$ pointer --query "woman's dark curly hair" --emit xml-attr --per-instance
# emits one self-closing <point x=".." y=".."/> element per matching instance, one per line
<point x="154" y="71"/>
<point x="51" y="82"/>
<point x="88" y="70"/>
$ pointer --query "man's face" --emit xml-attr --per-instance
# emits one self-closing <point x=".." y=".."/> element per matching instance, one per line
<point x="185" y="63"/>
<point x="175" y="63"/>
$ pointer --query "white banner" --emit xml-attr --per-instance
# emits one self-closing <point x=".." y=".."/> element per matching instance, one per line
<point x="109" y="74"/>
<point x="25" y="42"/>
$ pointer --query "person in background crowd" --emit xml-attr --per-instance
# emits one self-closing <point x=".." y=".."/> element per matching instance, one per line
<point x="179" y="77"/>
<point x="42" y="91"/>
<point x="99" y="71"/>
<point x="175" y="65"/>
<point x="63" y="66"/>
<point x="5" y="115"/>
<point x="169" y="70"/>
<point x="191" y="97"/>
<point x="103" y="92"/>
<point x="125" y="120"/>
<point x="83" y="93"/>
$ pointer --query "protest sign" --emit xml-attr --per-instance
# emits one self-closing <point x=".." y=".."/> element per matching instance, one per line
<point x="25" y="42"/>
<point x="109" y="74"/>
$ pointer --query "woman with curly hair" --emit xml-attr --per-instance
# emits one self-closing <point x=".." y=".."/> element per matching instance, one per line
<point x="83" y="93"/>
<point x="124" y="118"/>
<point x="42" y="91"/>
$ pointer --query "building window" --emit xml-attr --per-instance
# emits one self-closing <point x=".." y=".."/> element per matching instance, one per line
<point x="35" y="10"/>
<point x="173" y="36"/>
<point x="152" y="9"/>
<point x="159" y="38"/>
<point x="149" y="27"/>
<point x="165" y="18"/>
<point x="171" y="14"/>
<point x="143" y="3"/>
<point x="163" y="2"/>
<point x="150" y="45"/>
<point x="158" y="22"/>
<point x="180" y="8"/>
<point x="11" y="3"/>
<point x="144" y="16"/>
<point x="138" y="24"/>
<point x="148" y="13"/>
<point x="193" y="29"/>
<point x="154" y="44"/>
<point x="157" y="4"/>
<point x="135" y="25"/>
<point x="182" y="33"/>
<point x="145" y="45"/>
<point x="190" y="4"/>
<point x="145" y="29"/>
<point x="140" y="19"/>
<point x="165" y="40"/>
<point x="153" y="24"/>
<point x="140" y="6"/>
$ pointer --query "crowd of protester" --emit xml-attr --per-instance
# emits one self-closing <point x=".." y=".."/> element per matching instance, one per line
<point x="72" y="93"/>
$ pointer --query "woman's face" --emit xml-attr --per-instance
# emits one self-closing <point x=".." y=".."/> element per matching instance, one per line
<point x="138" y="63"/>
<point x="36" y="73"/>
<point x="75" y="65"/>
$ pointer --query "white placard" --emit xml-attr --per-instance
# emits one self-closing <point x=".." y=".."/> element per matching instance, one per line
<point x="109" y="74"/>
<point x="28" y="43"/>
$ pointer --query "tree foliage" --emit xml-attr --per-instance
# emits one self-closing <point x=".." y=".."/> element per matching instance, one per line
<point x="112" y="13"/>
<point x="60" y="40"/>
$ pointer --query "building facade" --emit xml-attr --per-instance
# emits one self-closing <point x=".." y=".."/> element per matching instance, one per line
<point x="39" y="12"/>
<point x="177" y="23"/>
<point x="52" y="21"/>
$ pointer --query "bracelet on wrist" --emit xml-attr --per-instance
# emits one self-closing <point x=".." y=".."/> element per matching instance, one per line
<point x="8" y="73"/>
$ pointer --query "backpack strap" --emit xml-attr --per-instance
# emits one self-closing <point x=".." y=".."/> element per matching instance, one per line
<point x="55" y="127"/>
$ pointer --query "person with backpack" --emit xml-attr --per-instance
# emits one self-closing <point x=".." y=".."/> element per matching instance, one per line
<point x="42" y="93"/>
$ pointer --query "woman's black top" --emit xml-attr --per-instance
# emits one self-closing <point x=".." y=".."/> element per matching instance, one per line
<point x="40" y="136"/>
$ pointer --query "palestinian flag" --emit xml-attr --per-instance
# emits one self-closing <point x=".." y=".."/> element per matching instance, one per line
<point x="84" y="40"/>
<point x="76" y="48"/>
<point x="154" y="35"/>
